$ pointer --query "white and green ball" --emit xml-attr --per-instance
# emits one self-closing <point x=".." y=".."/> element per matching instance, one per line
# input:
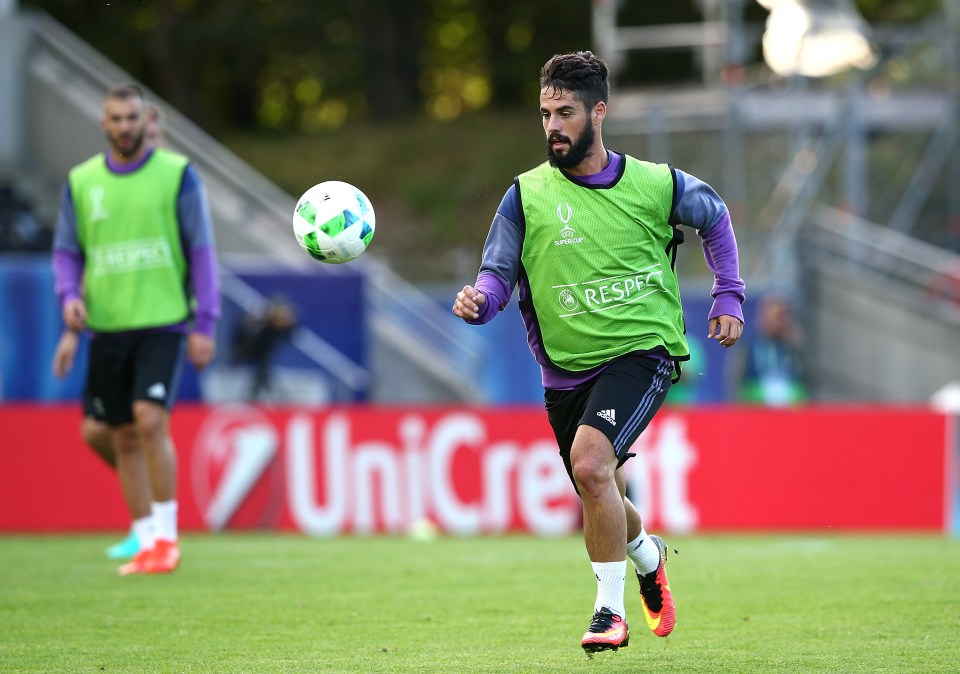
<point x="334" y="222"/>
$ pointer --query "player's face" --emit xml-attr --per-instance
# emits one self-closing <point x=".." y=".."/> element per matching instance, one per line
<point x="568" y="127"/>
<point x="125" y="125"/>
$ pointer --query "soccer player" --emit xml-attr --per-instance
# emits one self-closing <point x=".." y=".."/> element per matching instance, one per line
<point x="134" y="263"/>
<point x="95" y="433"/>
<point x="770" y="369"/>
<point x="590" y="238"/>
<point x="93" y="430"/>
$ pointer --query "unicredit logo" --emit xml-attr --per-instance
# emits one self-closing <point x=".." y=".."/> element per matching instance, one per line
<point x="366" y="471"/>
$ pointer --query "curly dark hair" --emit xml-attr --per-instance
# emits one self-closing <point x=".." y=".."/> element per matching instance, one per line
<point x="582" y="73"/>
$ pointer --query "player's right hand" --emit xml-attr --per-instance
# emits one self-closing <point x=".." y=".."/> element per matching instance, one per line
<point x="468" y="303"/>
<point x="75" y="314"/>
<point x="64" y="354"/>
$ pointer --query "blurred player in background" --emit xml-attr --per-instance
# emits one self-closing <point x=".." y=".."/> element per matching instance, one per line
<point x="132" y="252"/>
<point x="590" y="238"/>
<point x="256" y="339"/>
<point x="93" y="430"/>
<point x="770" y="369"/>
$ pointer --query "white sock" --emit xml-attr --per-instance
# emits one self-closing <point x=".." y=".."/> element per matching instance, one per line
<point x="644" y="553"/>
<point x="166" y="516"/>
<point x="610" y="579"/>
<point x="146" y="531"/>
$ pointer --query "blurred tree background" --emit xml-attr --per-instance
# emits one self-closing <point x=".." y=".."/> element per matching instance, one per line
<point x="429" y="106"/>
<point x="311" y="66"/>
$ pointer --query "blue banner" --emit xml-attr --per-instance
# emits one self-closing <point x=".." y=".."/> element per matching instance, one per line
<point x="328" y="303"/>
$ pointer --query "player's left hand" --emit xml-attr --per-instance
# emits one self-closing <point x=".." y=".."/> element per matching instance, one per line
<point x="200" y="349"/>
<point x="726" y="330"/>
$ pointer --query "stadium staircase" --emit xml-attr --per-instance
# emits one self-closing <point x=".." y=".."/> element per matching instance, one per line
<point x="53" y="88"/>
<point x="884" y="309"/>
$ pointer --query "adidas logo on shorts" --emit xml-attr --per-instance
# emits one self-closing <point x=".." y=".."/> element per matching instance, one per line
<point x="608" y="415"/>
<point x="157" y="391"/>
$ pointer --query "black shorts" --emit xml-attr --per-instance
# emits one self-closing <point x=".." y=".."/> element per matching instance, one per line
<point x="138" y="366"/>
<point x="620" y="403"/>
<point x="90" y="411"/>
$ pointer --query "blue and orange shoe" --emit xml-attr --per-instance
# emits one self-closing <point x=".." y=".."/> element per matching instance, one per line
<point x="655" y="595"/>
<point x="607" y="632"/>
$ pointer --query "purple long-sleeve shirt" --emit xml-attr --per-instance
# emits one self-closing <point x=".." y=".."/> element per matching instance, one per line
<point x="696" y="205"/>
<point x="196" y="236"/>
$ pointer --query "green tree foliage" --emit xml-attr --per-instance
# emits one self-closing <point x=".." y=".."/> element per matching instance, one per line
<point x="898" y="11"/>
<point x="304" y="65"/>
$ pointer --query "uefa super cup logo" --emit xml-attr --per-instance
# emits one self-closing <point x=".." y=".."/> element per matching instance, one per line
<point x="568" y="300"/>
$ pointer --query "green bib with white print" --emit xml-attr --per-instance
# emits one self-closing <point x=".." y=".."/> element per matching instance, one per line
<point x="127" y="225"/>
<point x="598" y="262"/>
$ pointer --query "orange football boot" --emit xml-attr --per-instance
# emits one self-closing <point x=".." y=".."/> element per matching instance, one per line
<point x="163" y="557"/>
<point x="607" y="632"/>
<point x="655" y="595"/>
<point x="136" y="565"/>
<point x="166" y="557"/>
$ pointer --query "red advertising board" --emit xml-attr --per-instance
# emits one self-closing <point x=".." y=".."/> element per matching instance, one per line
<point x="475" y="470"/>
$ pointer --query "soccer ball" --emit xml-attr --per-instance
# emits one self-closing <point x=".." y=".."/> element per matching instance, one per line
<point x="334" y="222"/>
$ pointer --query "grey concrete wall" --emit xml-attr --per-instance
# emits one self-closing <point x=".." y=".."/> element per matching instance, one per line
<point x="14" y="43"/>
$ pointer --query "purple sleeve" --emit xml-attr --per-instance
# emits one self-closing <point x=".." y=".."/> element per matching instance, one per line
<point x="698" y="206"/>
<point x="720" y="253"/>
<point x="197" y="231"/>
<point x="500" y="266"/>
<point x="497" y="295"/>
<point x="206" y="286"/>
<point x="68" y="261"/>
<point x="67" y="274"/>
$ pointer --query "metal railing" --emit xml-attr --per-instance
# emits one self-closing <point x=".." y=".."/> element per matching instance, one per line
<point x="928" y="274"/>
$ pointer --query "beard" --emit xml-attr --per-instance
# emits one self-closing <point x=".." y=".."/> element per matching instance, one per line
<point x="578" y="151"/>
<point x="132" y="146"/>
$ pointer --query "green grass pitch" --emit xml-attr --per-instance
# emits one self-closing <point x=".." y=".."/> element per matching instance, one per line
<point x="285" y="603"/>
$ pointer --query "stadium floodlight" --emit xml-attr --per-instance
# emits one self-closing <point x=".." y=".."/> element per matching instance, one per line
<point x="815" y="38"/>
